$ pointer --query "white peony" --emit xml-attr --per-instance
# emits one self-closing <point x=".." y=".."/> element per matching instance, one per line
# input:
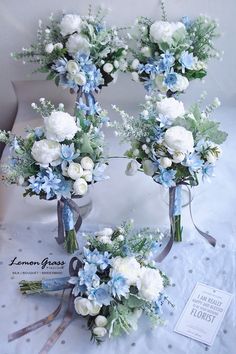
<point x="75" y="170"/>
<point x="170" y="107"/>
<point x="179" y="139"/>
<point x="80" y="79"/>
<point x="132" y="168"/>
<point x="181" y="84"/>
<point x="86" y="307"/>
<point x="100" y="321"/>
<point x="80" y="186"/>
<point x="72" y="67"/>
<point x="128" y="267"/>
<point x="49" y="48"/>
<point x="107" y="231"/>
<point x="87" y="175"/>
<point x="60" y="126"/>
<point x="163" y="31"/>
<point x="70" y="24"/>
<point x="99" y="331"/>
<point x="151" y="284"/>
<point x="78" y="44"/>
<point x="165" y="162"/>
<point x="148" y="167"/>
<point x="108" y="67"/>
<point x="87" y="163"/>
<point x="46" y="151"/>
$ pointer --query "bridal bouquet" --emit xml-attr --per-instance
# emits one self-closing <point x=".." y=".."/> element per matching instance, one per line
<point x="78" y="52"/>
<point x="167" y="55"/>
<point x="174" y="146"/>
<point x="58" y="161"/>
<point x="115" y="282"/>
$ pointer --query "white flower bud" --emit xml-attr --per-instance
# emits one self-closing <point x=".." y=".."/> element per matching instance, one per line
<point x="99" y="331"/>
<point x="165" y="162"/>
<point x="49" y="48"/>
<point x="75" y="170"/>
<point x="135" y="76"/>
<point x="135" y="64"/>
<point x="80" y="186"/>
<point x="100" y="321"/>
<point x="108" y="67"/>
<point x="87" y="163"/>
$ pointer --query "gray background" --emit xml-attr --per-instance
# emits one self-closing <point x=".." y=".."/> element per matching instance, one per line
<point x="18" y="24"/>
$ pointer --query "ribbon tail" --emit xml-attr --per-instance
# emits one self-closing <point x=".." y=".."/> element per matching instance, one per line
<point x="166" y="250"/>
<point x="210" y="239"/>
<point x="57" y="333"/>
<point x="76" y="209"/>
<point x="44" y="321"/>
<point x="61" y="232"/>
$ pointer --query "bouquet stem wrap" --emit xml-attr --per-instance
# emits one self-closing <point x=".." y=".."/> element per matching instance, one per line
<point x="175" y="204"/>
<point x="67" y="227"/>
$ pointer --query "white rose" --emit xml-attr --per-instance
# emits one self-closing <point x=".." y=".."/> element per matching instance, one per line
<point x="107" y="231"/>
<point x="146" y="51"/>
<point x="99" y="331"/>
<point x="128" y="267"/>
<point x="100" y="321"/>
<point x="46" y="151"/>
<point x="179" y="139"/>
<point x="88" y="176"/>
<point x="80" y="186"/>
<point x="148" y="167"/>
<point x="78" y="44"/>
<point x="135" y="64"/>
<point x="60" y="126"/>
<point x="151" y="284"/>
<point x="82" y="306"/>
<point x="72" y="67"/>
<point x="132" y="168"/>
<point x="135" y="76"/>
<point x="165" y="162"/>
<point x="178" y="157"/>
<point x="80" y="79"/>
<point x="162" y="31"/>
<point x="70" y="24"/>
<point x="181" y="84"/>
<point x="87" y="163"/>
<point x="170" y="107"/>
<point x="58" y="46"/>
<point x="95" y="309"/>
<point x="108" y="67"/>
<point x="75" y="170"/>
<point x="49" y="48"/>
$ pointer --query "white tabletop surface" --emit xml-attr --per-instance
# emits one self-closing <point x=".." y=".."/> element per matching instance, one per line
<point x="27" y="232"/>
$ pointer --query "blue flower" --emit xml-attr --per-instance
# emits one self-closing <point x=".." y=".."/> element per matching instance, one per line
<point x="98" y="172"/>
<point x="149" y="85"/>
<point x="14" y="144"/>
<point x="87" y="276"/>
<point x="45" y="181"/>
<point x="38" y="132"/>
<point x="157" y="133"/>
<point x="207" y="172"/>
<point x="101" y="295"/>
<point x="166" y="62"/>
<point x="101" y="260"/>
<point x="164" y="121"/>
<point x="158" y="304"/>
<point x="35" y="184"/>
<point x="193" y="162"/>
<point x="60" y="65"/>
<point x="186" y="60"/>
<point x="186" y="21"/>
<point x="166" y="177"/>
<point x="118" y="286"/>
<point x="170" y="80"/>
<point x="78" y="289"/>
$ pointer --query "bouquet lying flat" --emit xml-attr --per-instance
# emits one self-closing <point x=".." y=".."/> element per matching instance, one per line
<point x="173" y="146"/>
<point x="167" y="55"/>
<point x="58" y="160"/>
<point x="78" y="52"/>
<point x="115" y="281"/>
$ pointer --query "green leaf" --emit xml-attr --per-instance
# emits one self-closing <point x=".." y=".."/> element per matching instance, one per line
<point x="57" y="80"/>
<point x="86" y="146"/>
<point x="43" y="69"/>
<point x="51" y="76"/>
<point x="191" y="75"/>
<point x="134" y="302"/>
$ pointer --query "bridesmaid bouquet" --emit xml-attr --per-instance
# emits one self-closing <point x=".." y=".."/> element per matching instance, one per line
<point x="58" y="161"/>
<point x="80" y="53"/>
<point x="173" y="146"/>
<point x="167" y="55"/>
<point x="115" y="282"/>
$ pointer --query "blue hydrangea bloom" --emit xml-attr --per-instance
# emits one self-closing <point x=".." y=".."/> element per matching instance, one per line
<point x="207" y="171"/>
<point x="186" y="60"/>
<point x="193" y="162"/>
<point x="101" y="295"/>
<point x="170" y="80"/>
<point x="118" y="285"/>
<point x="87" y="276"/>
<point x="98" y="172"/>
<point x="38" y="132"/>
<point x="101" y="260"/>
<point x="166" y="62"/>
<point x="60" y="65"/>
<point x="68" y="152"/>
<point x="166" y="177"/>
<point x="164" y="120"/>
<point x="45" y="181"/>
<point x="186" y="21"/>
